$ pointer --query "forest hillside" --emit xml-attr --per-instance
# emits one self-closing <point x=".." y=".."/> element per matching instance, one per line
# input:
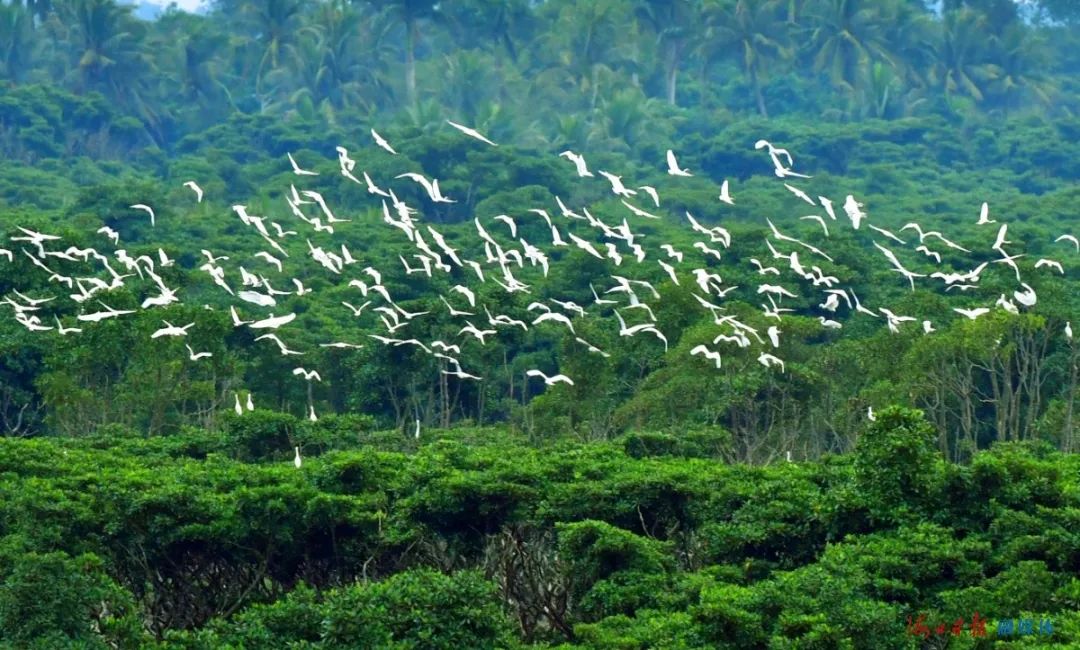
<point x="565" y="324"/>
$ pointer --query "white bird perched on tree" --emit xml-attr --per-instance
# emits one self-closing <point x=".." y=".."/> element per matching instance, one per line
<point x="673" y="165"/>
<point x="311" y="413"/>
<point x="579" y="162"/>
<point x="1068" y="330"/>
<point x="296" y="168"/>
<point x="472" y="133"/>
<point x="195" y="188"/>
<point x="296" y="459"/>
<point x="870" y="414"/>
<point x="194" y="356"/>
<point x="172" y="330"/>
<point x="238" y="408"/>
<point x="550" y="381"/>
<point x="379" y="140"/>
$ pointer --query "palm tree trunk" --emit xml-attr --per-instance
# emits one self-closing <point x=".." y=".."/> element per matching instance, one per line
<point x="758" y="95"/>
<point x="410" y="61"/>
<point x="672" y="72"/>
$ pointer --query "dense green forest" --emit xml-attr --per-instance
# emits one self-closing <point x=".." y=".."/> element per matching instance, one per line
<point x="449" y="496"/>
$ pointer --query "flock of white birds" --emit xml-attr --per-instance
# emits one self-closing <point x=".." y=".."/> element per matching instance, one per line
<point x="255" y="293"/>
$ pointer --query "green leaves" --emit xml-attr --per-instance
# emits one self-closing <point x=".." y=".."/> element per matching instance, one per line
<point x="897" y="468"/>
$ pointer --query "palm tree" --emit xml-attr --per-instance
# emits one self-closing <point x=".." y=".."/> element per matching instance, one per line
<point x="1020" y="60"/>
<point x="16" y="42"/>
<point x="962" y="66"/>
<point x="105" y="42"/>
<point x="846" y="37"/>
<point x="409" y="13"/>
<point x="276" y="23"/>
<point x="479" y="23"/>
<point x="339" y="56"/>
<point x="470" y="81"/>
<point x="909" y="37"/>
<point x="625" y="117"/>
<point x="196" y="71"/>
<point x="582" y="45"/>
<point x="751" y="33"/>
<point x="672" y="22"/>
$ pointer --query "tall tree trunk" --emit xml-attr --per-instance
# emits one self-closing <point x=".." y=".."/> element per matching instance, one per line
<point x="672" y="72"/>
<point x="1068" y="438"/>
<point x="410" y="61"/>
<point x="758" y="95"/>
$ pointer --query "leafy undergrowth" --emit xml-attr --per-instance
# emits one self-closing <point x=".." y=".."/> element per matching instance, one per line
<point x="474" y="538"/>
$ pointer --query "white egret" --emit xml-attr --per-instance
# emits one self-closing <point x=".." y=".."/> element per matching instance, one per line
<point x="296" y="168"/>
<point x="472" y="133"/>
<point x="550" y="381"/>
<point x="673" y="165"/>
